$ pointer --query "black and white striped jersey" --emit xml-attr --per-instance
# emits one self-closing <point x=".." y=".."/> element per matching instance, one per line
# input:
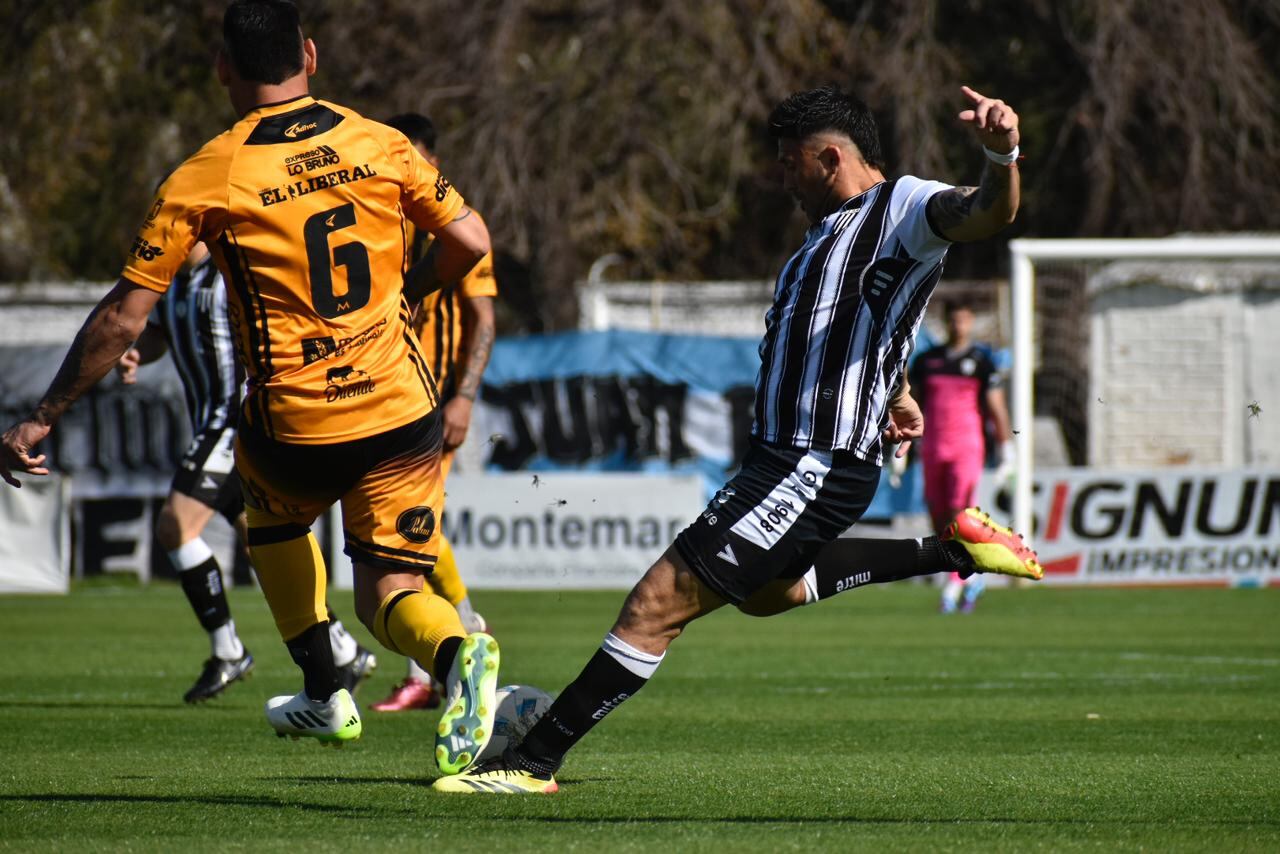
<point x="193" y="316"/>
<point x="845" y="313"/>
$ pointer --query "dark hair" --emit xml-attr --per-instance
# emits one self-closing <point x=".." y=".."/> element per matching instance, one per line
<point x="417" y="127"/>
<point x="263" y="39"/>
<point x="954" y="304"/>
<point x="805" y="113"/>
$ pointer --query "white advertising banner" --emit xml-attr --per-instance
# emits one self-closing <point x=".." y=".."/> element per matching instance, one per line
<point x="559" y="530"/>
<point x="1160" y="526"/>
<point x="35" y="533"/>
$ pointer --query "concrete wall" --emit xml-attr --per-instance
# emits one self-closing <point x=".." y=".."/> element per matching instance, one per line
<point x="1178" y="354"/>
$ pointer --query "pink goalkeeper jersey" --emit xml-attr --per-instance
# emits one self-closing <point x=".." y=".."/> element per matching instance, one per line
<point x="953" y="386"/>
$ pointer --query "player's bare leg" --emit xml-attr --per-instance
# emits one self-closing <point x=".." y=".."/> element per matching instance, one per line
<point x="656" y="611"/>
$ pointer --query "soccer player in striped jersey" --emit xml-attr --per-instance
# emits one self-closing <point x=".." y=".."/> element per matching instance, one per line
<point x="456" y="329"/>
<point x="191" y="324"/>
<point x="831" y="397"/>
<point x="305" y="205"/>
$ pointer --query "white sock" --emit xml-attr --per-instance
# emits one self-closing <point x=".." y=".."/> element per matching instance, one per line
<point x="471" y="621"/>
<point x="810" y="580"/>
<point x="226" y="643"/>
<point x="190" y="554"/>
<point x="344" y="645"/>
<point x="416" y="671"/>
<point x="642" y="664"/>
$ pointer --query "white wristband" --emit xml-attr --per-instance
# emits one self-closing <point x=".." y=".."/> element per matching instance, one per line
<point x="1002" y="159"/>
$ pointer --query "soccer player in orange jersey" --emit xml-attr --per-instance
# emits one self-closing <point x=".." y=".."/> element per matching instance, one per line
<point x="191" y="323"/>
<point x="306" y="206"/>
<point x="456" y="329"/>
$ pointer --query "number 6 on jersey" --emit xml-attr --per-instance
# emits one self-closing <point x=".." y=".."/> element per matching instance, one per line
<point x="352" y="255"/>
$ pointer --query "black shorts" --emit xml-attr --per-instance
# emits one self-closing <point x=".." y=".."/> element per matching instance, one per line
<point x="774" y="515"/>
<point x="207" y="472"/>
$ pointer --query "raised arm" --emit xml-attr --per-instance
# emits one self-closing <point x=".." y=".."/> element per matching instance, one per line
<point x="963" y="214"/>
<point x="110" y="330"/>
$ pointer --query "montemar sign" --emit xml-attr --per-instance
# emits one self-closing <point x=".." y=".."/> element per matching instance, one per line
<point x="559" y="530"/>
<point x="1178" y="526"/>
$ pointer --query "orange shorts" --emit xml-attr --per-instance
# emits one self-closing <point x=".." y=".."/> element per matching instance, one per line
<point x="390" y="486"/>
<point x="446" y="463"/>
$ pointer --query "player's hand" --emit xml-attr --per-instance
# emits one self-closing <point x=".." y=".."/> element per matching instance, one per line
<point x="994" y="121"/>
<point x="457" y="420"/>
<point x="15" y="451"/>
<point x="127" y="367"/>
<point x="906" y="422"/>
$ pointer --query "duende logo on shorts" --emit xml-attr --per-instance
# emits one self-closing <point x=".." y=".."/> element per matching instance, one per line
<point x="417" y="524"/>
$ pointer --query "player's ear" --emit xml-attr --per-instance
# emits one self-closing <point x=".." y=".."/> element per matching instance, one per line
<point x="829" y="157"/>
<point x="309" y="57"/>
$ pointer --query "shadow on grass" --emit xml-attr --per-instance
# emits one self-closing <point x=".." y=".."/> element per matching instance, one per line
<point x="362" y="813"/>
<point x="359" y="781"/>
<point x="337" y="810"/>
<point x="920" y="820"/>
<point x="98" y="705"/>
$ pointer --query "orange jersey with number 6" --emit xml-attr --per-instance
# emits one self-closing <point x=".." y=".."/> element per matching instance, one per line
<point x="307" y="207"/>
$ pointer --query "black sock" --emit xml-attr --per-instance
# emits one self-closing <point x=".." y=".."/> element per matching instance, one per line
<point x="203" y="586"/>
<point x="847" y="563"/>
<point x="312" y="652"/>
<point x="445" y="654"/>
<point x="601" y="687"/>
<point x="949" y="556"/>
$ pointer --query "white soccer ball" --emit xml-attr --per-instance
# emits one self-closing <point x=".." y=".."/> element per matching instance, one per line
<point x="519" y="707"/>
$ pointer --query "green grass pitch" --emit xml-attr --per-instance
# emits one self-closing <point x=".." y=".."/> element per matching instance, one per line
<point x="1055" y="720"/>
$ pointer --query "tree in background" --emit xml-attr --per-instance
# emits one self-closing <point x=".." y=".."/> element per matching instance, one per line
<point x="583" y="127"/>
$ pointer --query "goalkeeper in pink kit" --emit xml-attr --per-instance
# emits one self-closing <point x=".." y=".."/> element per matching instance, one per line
<point x="959" y="389"/>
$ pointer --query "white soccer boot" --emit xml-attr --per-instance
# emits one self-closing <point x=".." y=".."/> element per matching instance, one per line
<point x="331" y="722"/>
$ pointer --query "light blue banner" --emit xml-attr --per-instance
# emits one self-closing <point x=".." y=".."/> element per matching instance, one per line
<point x="632" y="401"/>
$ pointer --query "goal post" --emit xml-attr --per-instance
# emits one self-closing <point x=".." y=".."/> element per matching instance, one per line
<point x="1026" y="253"/>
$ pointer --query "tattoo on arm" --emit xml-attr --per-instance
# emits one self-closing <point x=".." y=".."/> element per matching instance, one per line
<point x="477" y="359"/>
<point x="88" y="360"/>
<point x="62" y="393"/>
<point x="951" y="209"/>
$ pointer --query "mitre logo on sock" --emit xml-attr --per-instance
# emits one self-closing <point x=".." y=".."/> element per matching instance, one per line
<point x="608" y="706"/>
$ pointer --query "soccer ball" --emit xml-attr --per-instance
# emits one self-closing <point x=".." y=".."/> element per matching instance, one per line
<point x="519" y="707"/>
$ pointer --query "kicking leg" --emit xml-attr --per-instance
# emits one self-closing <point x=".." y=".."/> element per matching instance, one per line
<point x="665" y="600"/>
<point x="847" y="563"/>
